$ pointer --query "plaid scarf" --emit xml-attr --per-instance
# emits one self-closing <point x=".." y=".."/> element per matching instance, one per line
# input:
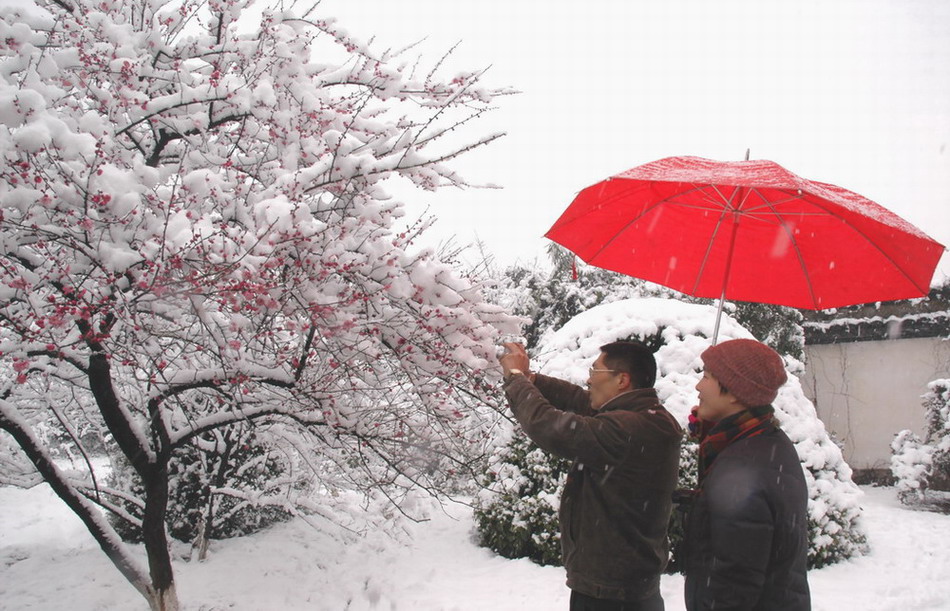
<point x="747" y="423"/>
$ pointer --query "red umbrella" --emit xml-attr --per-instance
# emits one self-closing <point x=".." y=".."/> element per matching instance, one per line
<point x="747" y="231"/>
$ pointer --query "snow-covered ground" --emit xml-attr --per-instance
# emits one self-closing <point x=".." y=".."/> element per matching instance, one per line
<point x="48" y="562"/>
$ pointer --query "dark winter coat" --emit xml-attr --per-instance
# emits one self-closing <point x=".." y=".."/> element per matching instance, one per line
<point x="616" y="504"/>
<point x="747" y="537"/>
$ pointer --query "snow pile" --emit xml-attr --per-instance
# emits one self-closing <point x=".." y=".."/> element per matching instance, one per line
<point x="50" y="563"/>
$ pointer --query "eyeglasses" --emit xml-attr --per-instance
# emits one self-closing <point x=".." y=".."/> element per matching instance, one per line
<point x="594" y="370"/>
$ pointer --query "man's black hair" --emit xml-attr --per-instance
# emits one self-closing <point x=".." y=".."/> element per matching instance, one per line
<point x="633" y="358"/>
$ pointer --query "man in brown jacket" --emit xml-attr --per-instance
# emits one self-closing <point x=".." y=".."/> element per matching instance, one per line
<point x="616" y="504"/>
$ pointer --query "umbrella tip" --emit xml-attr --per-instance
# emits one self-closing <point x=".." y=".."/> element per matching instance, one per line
<point x="747" y="154"/>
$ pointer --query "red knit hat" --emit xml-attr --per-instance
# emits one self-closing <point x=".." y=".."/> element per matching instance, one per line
<point x="750" y="370"/>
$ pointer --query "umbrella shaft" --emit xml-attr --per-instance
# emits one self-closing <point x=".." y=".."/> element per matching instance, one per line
<point x="725" y="276"/>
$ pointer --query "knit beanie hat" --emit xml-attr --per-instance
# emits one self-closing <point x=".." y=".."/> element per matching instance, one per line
<point x="750" y="370"/>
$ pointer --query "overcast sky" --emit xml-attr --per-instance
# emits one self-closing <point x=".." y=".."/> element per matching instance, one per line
<point x="851" y="92"/>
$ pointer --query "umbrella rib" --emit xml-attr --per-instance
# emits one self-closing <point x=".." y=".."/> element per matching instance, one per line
<point x="766" y="203"/>
<point x="726" y="209"/>
<point x="727" y="201"/>
<point x="646" y="210"/>
<point x="725" y="206"/>
<point x="798" y="251"/>
<point x="872" y="243"/>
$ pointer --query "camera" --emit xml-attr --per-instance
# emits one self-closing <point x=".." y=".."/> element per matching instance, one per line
<point x="509" y="338"/>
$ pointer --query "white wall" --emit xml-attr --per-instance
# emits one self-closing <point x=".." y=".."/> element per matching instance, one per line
<point x="866" y="392"/>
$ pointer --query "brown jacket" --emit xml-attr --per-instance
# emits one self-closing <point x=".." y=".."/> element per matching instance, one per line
<point x="616" y="504"/>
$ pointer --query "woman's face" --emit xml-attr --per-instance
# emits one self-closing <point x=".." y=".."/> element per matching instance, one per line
<point x="714" y="405"/>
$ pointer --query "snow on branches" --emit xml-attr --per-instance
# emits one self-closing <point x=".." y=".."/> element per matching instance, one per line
<point x="195" y="233"/>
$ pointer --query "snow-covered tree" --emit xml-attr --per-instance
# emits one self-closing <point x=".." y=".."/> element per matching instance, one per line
<point x="911" y="461"/>
<point x="548" y="298"/>
<point x="922" y="465"/>
<point x="680" y="332"/>
<point x="195" y="234"/>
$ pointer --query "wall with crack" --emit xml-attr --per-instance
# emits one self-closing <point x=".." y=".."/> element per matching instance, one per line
<point x="867" y="391"/>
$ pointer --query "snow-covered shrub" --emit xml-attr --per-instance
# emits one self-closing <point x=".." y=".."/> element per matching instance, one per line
<point x="681" y="332"/>
<point x="687" y="482"/>
<point x="911" y="459"/>
<point x="549" y="299"/>
<point x="777" y="326"/>
<point x="921" y="465"/>
<point x="516" y="511"/>
<point x="224" y="487"/>
<point x="937" y="402"/>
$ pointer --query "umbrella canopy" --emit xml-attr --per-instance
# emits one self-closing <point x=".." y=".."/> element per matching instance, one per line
<point x="747" y="231"/>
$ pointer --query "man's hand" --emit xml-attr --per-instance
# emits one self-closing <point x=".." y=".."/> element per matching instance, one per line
<point x="515" y="357"/>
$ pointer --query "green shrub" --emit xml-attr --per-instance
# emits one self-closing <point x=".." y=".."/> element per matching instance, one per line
<point x="516" y="511"/>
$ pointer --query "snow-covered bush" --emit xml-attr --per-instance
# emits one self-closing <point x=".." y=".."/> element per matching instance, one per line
<point x="921" y="465"/>
<point x="777" y="326"/>
<point x="911" y="460"/>
<point x="516" y="510"/>
<point x="681" y="332"/>
<point x="687" y="481"/>
<point x="549" y="299"/>
<point x="228" y="485"/>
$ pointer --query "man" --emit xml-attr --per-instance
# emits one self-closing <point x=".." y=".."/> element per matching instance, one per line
<point x="616" y="504"/>
<point x="746" y="539"/>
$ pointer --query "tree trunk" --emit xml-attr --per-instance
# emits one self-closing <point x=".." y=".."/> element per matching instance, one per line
<point x="200" y="544"/>
<point x="164" y="601"/>
<point x="155" y="537"/>
<point x="151" y="464"/>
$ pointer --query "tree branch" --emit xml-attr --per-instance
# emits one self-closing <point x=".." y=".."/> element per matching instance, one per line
<point x="97" y="525"/>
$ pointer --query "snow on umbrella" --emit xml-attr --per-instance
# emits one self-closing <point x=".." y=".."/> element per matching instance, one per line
<point x="747" y="231"/>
